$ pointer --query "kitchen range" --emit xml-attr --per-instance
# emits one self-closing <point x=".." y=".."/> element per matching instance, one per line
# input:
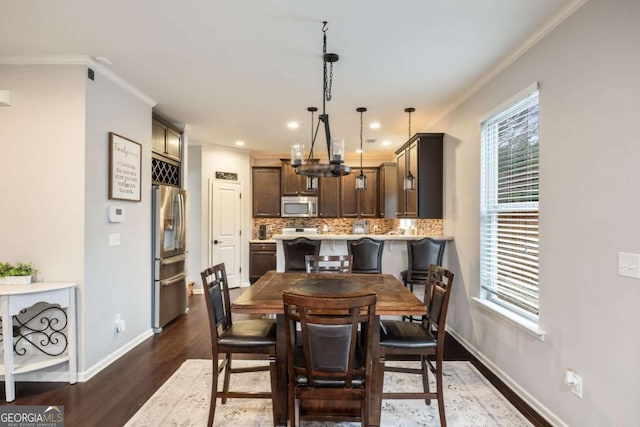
<point x="169" y="255"/>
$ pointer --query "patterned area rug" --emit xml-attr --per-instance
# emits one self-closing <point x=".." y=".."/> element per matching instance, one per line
<point x="470" y="400"/>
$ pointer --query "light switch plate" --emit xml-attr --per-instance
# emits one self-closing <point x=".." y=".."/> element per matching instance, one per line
<point x="629" y="265"/>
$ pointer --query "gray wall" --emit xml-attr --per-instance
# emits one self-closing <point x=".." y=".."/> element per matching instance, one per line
<point x="204" y="161"/>
<point x="53" y="180"/>
<point x="588" y="69"/>
<point x="117" y="279"/>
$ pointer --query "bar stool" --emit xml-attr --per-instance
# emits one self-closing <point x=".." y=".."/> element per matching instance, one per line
<point x="295" y="250"/>
<point x="367" y="255"/>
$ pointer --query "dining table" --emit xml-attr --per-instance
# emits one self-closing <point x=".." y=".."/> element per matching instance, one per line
<point x="264" y="297"/>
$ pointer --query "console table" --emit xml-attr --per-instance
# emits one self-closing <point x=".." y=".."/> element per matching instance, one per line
<point x="41" y="334"/>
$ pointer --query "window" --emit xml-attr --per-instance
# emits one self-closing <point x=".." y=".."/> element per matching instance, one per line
<point x="509" y="206"/>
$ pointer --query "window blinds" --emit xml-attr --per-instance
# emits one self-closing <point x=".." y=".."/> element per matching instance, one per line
<point x="509" y="206"/>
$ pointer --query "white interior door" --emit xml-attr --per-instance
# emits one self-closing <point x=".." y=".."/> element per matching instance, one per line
<point x="225" y="214"/>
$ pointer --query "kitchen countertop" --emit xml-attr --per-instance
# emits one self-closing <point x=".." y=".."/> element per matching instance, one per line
<point x="262" y="241"/>
<point x="401" y="237"/>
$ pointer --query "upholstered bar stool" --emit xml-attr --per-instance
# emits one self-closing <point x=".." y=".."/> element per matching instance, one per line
<point x="367" y="255"/>
<point x="295" y="251"/>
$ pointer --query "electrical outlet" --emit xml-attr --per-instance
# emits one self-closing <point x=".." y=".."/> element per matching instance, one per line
<point x="574" y="381"/>
<point x="629" y="265"/>
<point x="120" y="324"/>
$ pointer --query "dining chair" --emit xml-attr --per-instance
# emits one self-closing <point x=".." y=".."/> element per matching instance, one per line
<point x="328" y="361"/>
<point x="296" y="249"/>
<point x="328" y="263"/>
<point x="421" y="254"/>
<point x="367" y="255"/>
<point x="251" y="336"/>
<point x="406" y="340"/>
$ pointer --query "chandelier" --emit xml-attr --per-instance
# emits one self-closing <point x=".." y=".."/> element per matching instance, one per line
<point x="335" y="147"/>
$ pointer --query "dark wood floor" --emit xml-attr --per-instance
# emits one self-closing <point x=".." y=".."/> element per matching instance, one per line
<point x="112" y="397"/>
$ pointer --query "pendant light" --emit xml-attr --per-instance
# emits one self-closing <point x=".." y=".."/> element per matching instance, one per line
<point x="409" y="180"/>
<point x="361" y="180"/>
<point x="335" y="147"/>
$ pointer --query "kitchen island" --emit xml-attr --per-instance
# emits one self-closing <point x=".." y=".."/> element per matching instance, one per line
<point x="394" y="255"/>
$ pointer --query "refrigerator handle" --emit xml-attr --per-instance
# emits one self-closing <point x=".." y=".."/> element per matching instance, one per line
<point x="173" y="260"/>
<point x="182" y="231"/>
<point x="173" y="279"/>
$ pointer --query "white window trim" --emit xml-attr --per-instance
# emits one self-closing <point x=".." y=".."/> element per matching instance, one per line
<point x="523" y="321"/>
<point x="528" y="326"/>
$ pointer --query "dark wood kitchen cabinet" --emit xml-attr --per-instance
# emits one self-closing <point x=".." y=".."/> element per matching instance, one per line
<point x="266" y="191"/>
<point x="262" y="258"/>
<point x="387" y="190"/>
<point x="166" y="140"/>
<point x="292" y="183"/>
<point x="422" y="155"/>
<point x="359" y="204"/>
<point x="329" y="197"/>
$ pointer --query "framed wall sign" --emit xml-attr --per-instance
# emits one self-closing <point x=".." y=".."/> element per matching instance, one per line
<point x="125" y="163"/>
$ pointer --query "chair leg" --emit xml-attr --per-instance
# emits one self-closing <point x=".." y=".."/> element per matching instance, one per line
<point x="292" y="404"/>
<point x="274" y="385"/>
<point x="425" y="377"/>
<point x="214" y="391"/>
<point x="443" y="418"/>
<point x="227" y="377"/>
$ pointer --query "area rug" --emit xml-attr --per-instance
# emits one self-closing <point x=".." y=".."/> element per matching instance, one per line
<point x="470" y="401"/>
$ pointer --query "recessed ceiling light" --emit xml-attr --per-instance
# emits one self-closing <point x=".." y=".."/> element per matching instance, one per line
<point x="293" y="125"/>
<point x="375" y="125"/>
<point x="385" y="143"/>
<point x="239" y="143"/>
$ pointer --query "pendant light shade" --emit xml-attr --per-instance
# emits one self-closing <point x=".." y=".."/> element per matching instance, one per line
<point x="409" y="182"/>
<point x="312" y="183"/>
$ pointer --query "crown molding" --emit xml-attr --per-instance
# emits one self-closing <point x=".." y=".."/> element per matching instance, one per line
<point x="78" y="60"/>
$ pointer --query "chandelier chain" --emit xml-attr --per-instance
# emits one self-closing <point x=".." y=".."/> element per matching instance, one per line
<point x="328" y="80"/>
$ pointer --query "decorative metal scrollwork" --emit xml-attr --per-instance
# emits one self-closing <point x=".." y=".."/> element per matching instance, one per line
<point x="43" y="331"/>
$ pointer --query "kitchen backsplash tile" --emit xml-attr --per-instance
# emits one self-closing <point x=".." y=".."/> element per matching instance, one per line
<point x="433" y="227"/>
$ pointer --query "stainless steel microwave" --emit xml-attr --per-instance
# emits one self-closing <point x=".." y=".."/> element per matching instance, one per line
<point x="299" y="207"/>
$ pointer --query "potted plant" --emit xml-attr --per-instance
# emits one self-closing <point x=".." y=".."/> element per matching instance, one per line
<point x="18" y="274"/>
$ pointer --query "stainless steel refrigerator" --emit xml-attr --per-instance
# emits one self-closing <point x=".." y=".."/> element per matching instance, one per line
<point x="169" y="254"/>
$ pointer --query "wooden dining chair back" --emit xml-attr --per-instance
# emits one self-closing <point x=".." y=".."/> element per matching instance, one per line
<point x="329" y="361"/>
<point x="367" y="255"/>
<point x="295" y="251"/>
<point x="421" y="254"/>
<point x="254" y="336"/>
<point x="406" y="341"/>
<point x="328" y="263"/>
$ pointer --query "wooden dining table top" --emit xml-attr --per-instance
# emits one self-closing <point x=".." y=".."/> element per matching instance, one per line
<point x="265" y="295"/>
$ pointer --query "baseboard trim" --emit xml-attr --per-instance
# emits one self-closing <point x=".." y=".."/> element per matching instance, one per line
<point x="93" y="370"/>
<point x="542" y="410"/>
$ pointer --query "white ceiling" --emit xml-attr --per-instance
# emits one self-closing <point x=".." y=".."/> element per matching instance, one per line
<point x="241" y="69"/>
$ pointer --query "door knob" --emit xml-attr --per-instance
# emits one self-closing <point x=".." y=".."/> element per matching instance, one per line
<point x="215" y="242"/>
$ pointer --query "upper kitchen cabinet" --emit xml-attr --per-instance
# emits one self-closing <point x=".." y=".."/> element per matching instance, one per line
<point x="421" y="157"/>
<point x="387" y="190"/>
<point x="292" y="183"/>
<point x="166" y="140"/>
<point x="266" y="192"/>
<point x="359" y="204"/>
<point x="329" y="197"/>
